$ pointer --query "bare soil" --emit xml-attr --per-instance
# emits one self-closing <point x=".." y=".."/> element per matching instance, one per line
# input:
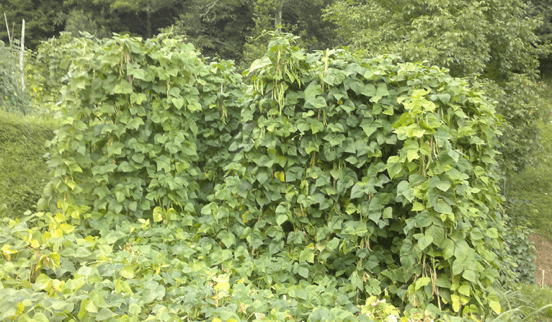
<point x="544" y="259"/>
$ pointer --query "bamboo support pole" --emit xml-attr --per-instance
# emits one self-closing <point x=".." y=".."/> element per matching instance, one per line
<point x="7" y="28"/>
<point x="21" y="54"/>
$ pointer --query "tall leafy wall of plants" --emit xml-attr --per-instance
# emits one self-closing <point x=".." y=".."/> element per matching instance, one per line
<point x="180" y="193"/>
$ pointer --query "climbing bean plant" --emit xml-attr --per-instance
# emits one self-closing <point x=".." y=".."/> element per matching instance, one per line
<point x="146" y="125"/>
<point x="378" y="173"/>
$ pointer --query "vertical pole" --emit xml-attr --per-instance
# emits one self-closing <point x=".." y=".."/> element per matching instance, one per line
<point x="7" y="27"/>
<point x="278" y="17"/>
<point x="21" y="56"/>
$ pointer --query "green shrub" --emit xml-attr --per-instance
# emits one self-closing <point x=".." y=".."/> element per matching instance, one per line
<point x="23" y="171"/>
<point x="522" y="252"/>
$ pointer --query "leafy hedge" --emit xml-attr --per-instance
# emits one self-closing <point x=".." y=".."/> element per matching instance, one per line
<point x="23" y="170"/>
<point x="180" y="193"/>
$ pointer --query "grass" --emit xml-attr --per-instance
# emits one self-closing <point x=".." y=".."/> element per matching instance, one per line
<point x="23" y="171"/>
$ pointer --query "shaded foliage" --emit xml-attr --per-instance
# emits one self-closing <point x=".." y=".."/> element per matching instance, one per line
<point x="217" y="29"/>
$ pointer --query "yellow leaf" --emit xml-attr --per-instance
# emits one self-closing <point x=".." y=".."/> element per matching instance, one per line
<point x="67" y="228"/>
<point x="55" y="257"/>
<point x="280" y="175"/>
<point x="35" y="243"/>
<point x="158" y="214"/>
<point x="8" y="251"/>
<point x="57" y="233"/>
<point x="455" y="302"/>
<point x="217" y="320"/>
<point x="495" y="306"/>
<point x="20" y="308"/>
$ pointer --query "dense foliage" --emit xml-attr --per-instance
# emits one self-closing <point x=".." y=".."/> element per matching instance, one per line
<point x="367" y="161"/>
<point x="330" y="182"/>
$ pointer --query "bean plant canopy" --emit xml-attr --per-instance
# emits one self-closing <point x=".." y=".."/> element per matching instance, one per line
<point x="180" y="193"/>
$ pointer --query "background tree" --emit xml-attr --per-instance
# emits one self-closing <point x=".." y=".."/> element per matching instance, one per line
<point x="156" y="13"/>
<point x="217" y="28"/>
<point x="92" y="16"/>
<point x="543" y="9"/>
<point x="39" y="19"/>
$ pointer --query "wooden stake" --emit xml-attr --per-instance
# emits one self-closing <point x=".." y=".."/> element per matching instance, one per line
<point x="7" y="27"/>
<point x="21" y="56"/>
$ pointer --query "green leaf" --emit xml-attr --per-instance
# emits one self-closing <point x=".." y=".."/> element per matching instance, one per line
<point x="444" y="98"/>
<point x="40" y="317"/>
<point x="443" y="186"/>
<point x="455" y="302"/>
<point x="127" y="272"/>
<point x="492" y="233"/>
<point x="447" y="246"/>
<point x="178" y="102"/>
<point x="122" y="287"/>
<point x="332" y="244"/>
<point x="134" y="309"/>
<point x="437" y="233"/>
<point x="404" y="189"/>
<point x="369" y="126"/>
<point x="124" y="87"/>
<point x="465" y="290"/>
<point x="280" y="219"/>
<point x="394" y="169"/>
<point x="423" y="240"/>
<point x="458" y="266"/>
<point x="303" y="271"/>
<point x="421" y="282"/>
<point x="417" y="206"/>
<point x="312" y="91"/>
<point x="356" y="191"/>
<point x="104" y="314"/>
<point x="351" y="209"/>
<point x="470" y="275"/>
<point x="318" y="102"/>
<point x="442" y="208"/>
<point x="115" y="148"/>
